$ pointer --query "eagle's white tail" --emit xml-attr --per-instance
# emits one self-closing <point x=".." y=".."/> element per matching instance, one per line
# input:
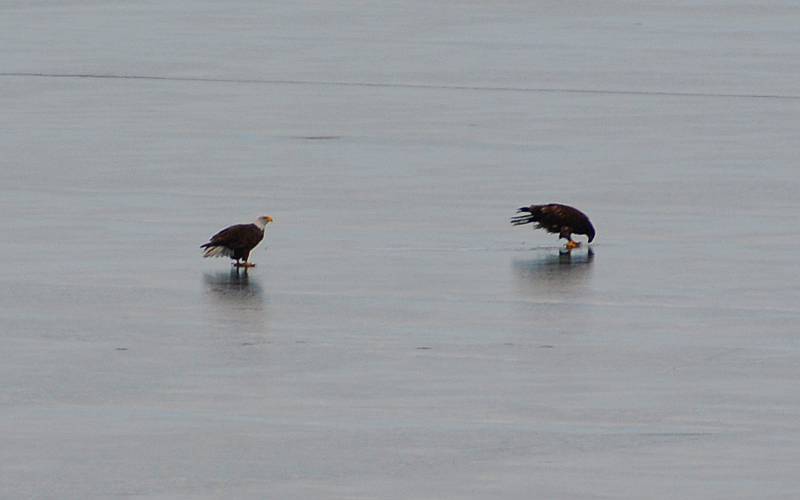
<point x="218" y="252"/>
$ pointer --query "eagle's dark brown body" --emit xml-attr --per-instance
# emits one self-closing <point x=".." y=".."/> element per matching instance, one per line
<point x="556" y="218"/>
<point x="236" y="241"/>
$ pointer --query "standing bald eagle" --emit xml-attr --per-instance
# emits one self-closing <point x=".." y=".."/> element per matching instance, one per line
<point x="237" y="241"/>
<point x="556" y="218"/>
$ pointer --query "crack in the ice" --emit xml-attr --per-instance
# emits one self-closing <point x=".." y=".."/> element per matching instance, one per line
<point x="430" y="86"/>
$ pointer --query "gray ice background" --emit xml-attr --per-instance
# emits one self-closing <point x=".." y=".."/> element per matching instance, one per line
<point x="399" y="339"/>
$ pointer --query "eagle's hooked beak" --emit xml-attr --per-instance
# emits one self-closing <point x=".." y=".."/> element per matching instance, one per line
<point x="269" y="219"/>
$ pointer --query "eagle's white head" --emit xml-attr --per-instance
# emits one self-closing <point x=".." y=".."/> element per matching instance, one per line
<point x="262" y="221"/>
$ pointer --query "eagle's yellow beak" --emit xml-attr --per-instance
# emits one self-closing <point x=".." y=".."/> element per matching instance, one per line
<point x="269" y="219"/>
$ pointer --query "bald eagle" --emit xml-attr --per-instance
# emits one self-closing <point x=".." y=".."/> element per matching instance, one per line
<point x="237" y="241"/>
<point x="556" y="218"/>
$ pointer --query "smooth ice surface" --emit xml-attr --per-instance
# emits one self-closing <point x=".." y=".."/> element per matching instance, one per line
<point x="399" y="339"/>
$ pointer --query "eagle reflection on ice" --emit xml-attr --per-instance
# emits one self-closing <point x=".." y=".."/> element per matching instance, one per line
<point x="234" y="287"/>
<point x="548" y="272"/>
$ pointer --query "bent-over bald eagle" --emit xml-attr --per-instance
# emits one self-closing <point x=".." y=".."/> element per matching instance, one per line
<point x="237" y="241"/>
<point x="556" y="218"/>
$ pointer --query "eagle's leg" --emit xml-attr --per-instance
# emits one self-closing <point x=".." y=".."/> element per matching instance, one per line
<point x="246" y="259"/>
<point x="566" y="233"/>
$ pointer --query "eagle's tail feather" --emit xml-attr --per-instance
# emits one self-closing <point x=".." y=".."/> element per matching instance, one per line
<point x="522" y="219"/>
<point x="216" y="251"/>
<point x="527" y="215"/>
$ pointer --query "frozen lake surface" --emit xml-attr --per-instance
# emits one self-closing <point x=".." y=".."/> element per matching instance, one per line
<point x="399" y="339"/>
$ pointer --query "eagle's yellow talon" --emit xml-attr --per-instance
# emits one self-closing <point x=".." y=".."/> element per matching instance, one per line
<point x="572" y="244"/>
